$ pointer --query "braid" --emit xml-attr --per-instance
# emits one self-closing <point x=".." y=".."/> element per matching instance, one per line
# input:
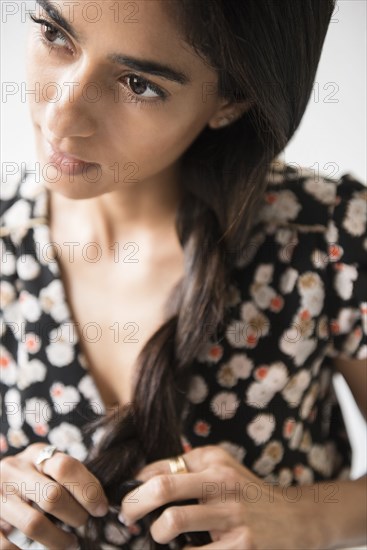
<point x="150" y="427"/>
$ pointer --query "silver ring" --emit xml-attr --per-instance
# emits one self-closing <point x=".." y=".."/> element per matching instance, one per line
<point x="46" y="453"/>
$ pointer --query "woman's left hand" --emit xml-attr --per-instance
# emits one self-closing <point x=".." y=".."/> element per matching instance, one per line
<point x="239" y="509"/>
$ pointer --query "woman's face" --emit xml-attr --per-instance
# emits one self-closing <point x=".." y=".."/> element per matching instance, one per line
<point x="134" y="124"/>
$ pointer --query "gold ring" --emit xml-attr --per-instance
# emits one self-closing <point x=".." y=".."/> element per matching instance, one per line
<point x="177" y="465"/>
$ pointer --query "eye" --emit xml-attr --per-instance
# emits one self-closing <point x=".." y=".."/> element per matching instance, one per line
<point x="51" y="34"/>
<point x="140" y="85"/>
<point x="143" y="91"/>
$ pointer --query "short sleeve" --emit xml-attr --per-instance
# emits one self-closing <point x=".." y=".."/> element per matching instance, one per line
<point x="347" y="270"/>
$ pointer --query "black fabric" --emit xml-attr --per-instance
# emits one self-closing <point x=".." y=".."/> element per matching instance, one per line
<point x="263" y="390"/>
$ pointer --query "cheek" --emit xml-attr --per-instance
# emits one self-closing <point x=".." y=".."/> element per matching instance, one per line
<point x="174" y="137"/>
<point x="30" y="61"/>
<point x="153" y="140"/>
<point x="39" y="73"/>
<point x="174" y="141"/>
<point x="152" y="143"/>
<point x="34" y="56"/>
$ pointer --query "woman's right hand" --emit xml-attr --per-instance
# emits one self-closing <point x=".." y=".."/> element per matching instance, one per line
<point x="61" y="486"/>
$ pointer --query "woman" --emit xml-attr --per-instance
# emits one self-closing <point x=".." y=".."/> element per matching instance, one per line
<point x="175" y="299"/>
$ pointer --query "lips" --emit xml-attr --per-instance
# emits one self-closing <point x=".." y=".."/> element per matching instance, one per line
<point x="69" y="165"/>
<point x="62" y="158"/>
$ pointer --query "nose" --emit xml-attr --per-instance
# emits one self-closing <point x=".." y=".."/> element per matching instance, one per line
<point x="71" y="107"/>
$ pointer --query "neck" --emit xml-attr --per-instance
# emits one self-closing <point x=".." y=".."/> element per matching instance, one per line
<point x="142" y="211"/>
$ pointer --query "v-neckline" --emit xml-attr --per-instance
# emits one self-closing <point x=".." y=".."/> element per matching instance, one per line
<point x="80" y="358"/>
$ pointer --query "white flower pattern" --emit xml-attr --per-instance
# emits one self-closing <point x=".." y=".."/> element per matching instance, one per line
<point x="261" y="390"/>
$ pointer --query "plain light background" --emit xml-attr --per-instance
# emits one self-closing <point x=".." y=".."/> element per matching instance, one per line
<point x="332" y="134"/>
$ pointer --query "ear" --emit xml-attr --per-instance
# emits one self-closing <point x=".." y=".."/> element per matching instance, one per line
<point x="228" y="113"/>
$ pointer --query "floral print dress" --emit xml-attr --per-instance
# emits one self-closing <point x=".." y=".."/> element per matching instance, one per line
<point x="262" y="390"/>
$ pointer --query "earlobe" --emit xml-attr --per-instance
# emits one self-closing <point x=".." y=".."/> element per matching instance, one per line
<point x="224" y="119"/>
<point x="220" y="122"/>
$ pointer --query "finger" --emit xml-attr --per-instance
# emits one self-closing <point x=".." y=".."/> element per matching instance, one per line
<point x="157" y="468"/>
<point x="72" y="474"/>
<point x="240" y="540"/>
<point x="196" y="460"/>
<point x="175" y="520"/>
<point x="5" y="544"/>
<point x="34" y="524"/>
<point x="163" y="489"/>
<point x="48" y="494"/>
<point x="5" y="527"/>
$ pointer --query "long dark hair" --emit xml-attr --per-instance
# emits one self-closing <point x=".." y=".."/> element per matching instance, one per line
<point x="267" y="52"/>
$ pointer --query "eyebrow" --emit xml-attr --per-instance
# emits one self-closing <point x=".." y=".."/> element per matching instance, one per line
<point x="151" y="67"/>
<point x="143" y="65"/>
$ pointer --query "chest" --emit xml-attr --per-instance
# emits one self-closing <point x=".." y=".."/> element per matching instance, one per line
<point x="116" y="311"/>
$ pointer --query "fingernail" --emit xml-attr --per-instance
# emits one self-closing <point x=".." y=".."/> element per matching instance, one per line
<point x="123" y="520"/>
<point x="101" y="510"/>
